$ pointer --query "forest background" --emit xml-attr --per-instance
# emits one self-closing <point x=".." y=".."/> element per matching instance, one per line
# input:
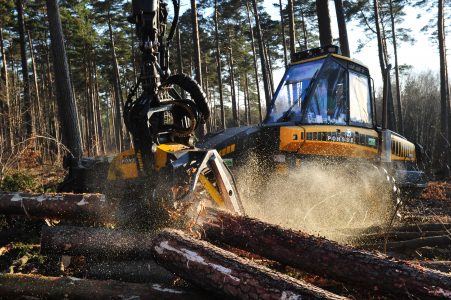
<point x="244" y="47"/>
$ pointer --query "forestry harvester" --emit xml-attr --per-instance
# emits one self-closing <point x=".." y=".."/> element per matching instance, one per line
<point x="323" y="111"/>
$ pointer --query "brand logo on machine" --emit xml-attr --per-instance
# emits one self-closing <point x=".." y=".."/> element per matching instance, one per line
<point x="341" y="139"/>
<point x="128" y="159"/>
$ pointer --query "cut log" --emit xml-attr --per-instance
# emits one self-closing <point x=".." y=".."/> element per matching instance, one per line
<point x="220" y="271"/>
<point x="129" y="271"/>
<point x="92" y="207"/>
<point x="432" y="241"/>
<point x="439" y="265"/>
<point x="399" y="228"/>
<point x="323" y="257"/>
<point x="395" y="236"/>
<point x="12" y="286"/>
<point x="95" y="242"/>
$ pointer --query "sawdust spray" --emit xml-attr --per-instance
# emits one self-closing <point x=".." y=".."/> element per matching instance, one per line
<point x="318" y="197"/>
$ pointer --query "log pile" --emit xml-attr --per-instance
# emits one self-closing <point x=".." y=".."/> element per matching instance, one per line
<point x="202" y="261"/>
<point x="320" y="256"/>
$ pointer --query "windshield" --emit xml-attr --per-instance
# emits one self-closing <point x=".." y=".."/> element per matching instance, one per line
<point x="328" y="101"/>
<point x="292" y="91"/>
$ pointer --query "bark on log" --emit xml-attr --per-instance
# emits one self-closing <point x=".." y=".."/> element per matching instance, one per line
<point x="220" y="271"/>
<point x="92" y="207"/>
<point x="325" y="258"/>
<point x="95" y="242"/>
<point x="12" y="286"/>
<point x="129" y="271"/>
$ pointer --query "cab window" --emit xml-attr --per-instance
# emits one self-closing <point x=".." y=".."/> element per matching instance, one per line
<point x="359" y="99"/>
<point x="328" y="101"/>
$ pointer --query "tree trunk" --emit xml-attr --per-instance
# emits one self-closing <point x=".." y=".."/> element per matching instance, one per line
<point x="129" y="271"/>
<point x="4" y="77"/>
<point x="218" y="67"/>
<point x="444" y="91"/>
<point x="57" y="206"/>
<point x="254" y="57"/>
<point x="22" y="286"/>
<point x="247" y="103"/>
<point x="262" y="56"/>
<point x="196" y="43"/>
<point x="325" y="32"/>
<point x="201" y="130"/>
<point x="37" y="112"/>
<point x="26" y="108"/>
<point x="323" y="257"/>
<point x="400" y="126"/>
<point x="282" y="26"/>
<point x="232" y="87"/>
<point x="390" y="123"/>
<point x="304" y="31"/>
<point x="291" y="28"/>
<point x="96" y="242"/>
<point x="117" y="90"/>
<point x="66" y="103"/>
<point x="343" y="32"/>
<point x="220" y="271"/>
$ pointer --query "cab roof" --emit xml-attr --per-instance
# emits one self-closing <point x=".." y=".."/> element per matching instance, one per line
<point x="322" y="52"/>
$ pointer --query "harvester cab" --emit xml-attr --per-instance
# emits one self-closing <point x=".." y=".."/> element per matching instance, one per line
<point x="324" y="111"/>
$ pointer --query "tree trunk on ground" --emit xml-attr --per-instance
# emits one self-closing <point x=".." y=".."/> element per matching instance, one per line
<point x="325" y="32"/>
<point x="444" y="91"/>
<point x="343" y="32"/>
<point x="130" y="271"/>
<point x="262" y="56"/>
<point x="96" y="242"/>
<point x="218" y="67"/>
<point x="26" y="108"/>
<point x="291" y="28"/>
<point x="57" y="206"/>
<point x="442" y="266"/>
<point x="220" y="271"/>
<point x="15" y="286"/>
<point x="323" y="257"/>
<point x="254" y="57"/>
<point x="66" y="103"/>
<point x="412" y="244"/>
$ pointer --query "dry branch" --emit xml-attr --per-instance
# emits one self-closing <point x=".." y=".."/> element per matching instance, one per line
<point x="95" y="242"/>
<point x="13" y="286"/>
<point x="325" y="258"/>
<point x="220" y="271"/>
<point x="92" y="207"/>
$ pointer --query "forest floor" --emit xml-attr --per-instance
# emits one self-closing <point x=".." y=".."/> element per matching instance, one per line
<point x="20" y="237"/>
